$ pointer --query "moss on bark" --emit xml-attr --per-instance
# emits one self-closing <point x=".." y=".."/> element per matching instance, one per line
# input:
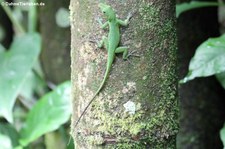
<point x="149" y="81"/>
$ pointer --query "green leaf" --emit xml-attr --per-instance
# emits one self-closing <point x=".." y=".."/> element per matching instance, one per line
<point x="221" y="78"/>
<point x="222" y="135"/>
<point x="51" y="111"/>
<point x="28" y="87"/>
<point x="209" y="59"/>
<point x="5" y="142"/>
<point x="8" y="136"/>
<point x="180" y="8"/>
<point x="32" y="84"/>
<point x="15" y="64"/>
<point x="2" y="49"/>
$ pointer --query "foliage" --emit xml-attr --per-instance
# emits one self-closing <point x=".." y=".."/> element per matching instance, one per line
<point x="209" y="59"/>
<point x="180" y="8"/>
<point x="15" y="65"/>
<point x="9" y="137"/>
<point x="25" y="101"/>
<point x="221" y="78"/>
<point x="222" y="135"/>
<point x="50" y="112"/>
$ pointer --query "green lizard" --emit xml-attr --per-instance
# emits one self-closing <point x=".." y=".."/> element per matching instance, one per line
<point x="111" y="44"/>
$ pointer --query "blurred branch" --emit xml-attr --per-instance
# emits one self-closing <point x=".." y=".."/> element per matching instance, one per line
<point x="15" y="22"/>
<point x="32" y="17"/>
<point x="27" y="103"/>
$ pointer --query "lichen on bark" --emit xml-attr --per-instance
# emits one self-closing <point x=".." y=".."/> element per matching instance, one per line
<point x="147" y="82"/>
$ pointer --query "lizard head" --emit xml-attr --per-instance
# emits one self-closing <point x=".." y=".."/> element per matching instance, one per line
<point x="107" y="11"/>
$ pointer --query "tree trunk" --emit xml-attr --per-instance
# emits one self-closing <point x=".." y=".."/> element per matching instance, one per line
<point x="149" y="82"/>
<point x="221" y="12"/>
<point x="202" y="100"/>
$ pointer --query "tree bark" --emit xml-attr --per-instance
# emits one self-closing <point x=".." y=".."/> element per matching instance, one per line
<point x="149" y="81"/>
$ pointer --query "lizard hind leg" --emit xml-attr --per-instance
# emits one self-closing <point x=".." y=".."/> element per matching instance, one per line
<point x="103" y="42"/>
<point x="123" y="50"/>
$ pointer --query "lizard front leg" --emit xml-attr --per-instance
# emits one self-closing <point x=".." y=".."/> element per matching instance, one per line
<point x="103" y="26"/>
<point x="125" y="22"/>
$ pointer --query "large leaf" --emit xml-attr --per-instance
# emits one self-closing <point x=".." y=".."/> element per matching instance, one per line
<point x="8" y="136"/>
<point x="5" y="142"/>
<point x="208" y="60"/>
<point x="222" y="135"/>
<point x="221" y="78"/>
<point x="51" y="111"/>
<point x="180" y="8"/>
<point x="15" y="64"/>
<point x="2" y="49"/>
<point x="32" y="84"/>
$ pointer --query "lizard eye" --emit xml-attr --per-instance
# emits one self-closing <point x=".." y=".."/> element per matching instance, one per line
<point x="103" y="11"/>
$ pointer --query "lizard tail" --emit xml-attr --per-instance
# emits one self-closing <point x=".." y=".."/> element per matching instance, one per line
<point x="109" y="64"/>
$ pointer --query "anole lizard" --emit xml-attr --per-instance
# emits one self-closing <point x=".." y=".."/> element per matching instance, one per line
<point x="111" y="44"/>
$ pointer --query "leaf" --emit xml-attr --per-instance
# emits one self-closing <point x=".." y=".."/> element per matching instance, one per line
<point x="5" y="142"/>
<point x="209" y="59"/>
<point x="221" y="78"/>
<point x="222" y="135"/>
<point x="27" y="89"/>
<point x="15" y="64"/>
<point x="31" y="85"/>
<point x="8" y="136"/>
<point x="2" y="49"/>
<point x="51" y="111"/>
<point x="180" y="8"/>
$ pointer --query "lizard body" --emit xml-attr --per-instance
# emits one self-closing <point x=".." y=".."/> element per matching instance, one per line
<point x="111" y="45"/>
